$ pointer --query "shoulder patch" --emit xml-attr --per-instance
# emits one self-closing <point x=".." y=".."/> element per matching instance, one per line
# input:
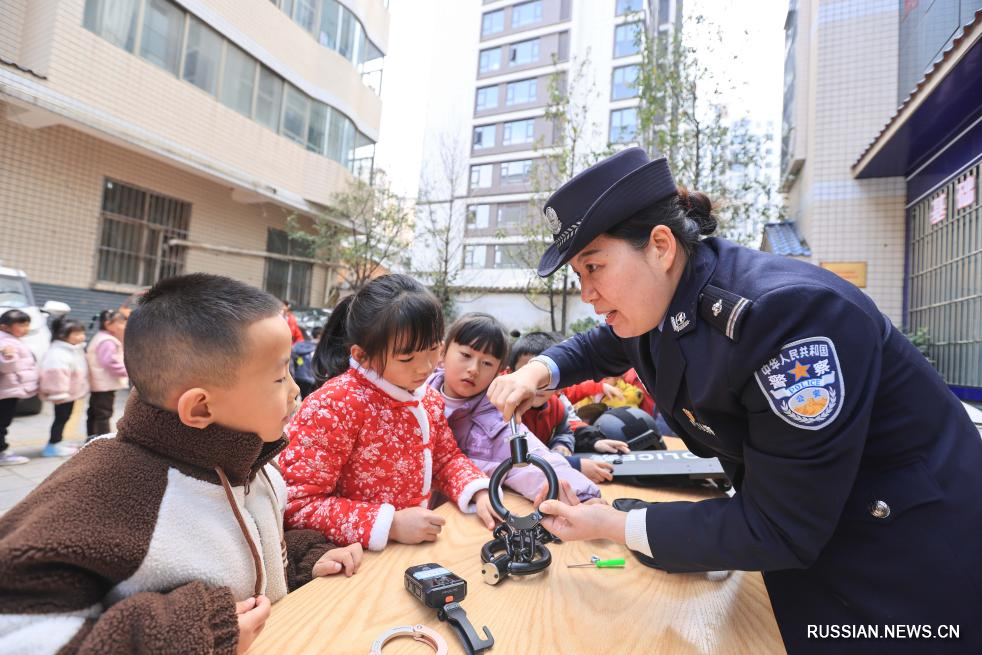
<point x="723" y="310"/>
<point x="803" y="383"/>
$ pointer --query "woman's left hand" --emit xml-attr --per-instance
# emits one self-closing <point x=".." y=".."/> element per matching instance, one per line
<point x="575" y="521"/>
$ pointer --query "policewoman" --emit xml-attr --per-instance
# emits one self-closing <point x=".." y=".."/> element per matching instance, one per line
<point x="858" y="474"/>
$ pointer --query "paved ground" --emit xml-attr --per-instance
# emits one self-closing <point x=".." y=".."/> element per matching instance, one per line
<point x="27" y="436"/>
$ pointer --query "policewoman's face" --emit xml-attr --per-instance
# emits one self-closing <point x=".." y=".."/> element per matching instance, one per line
<point x="630" y="288"/>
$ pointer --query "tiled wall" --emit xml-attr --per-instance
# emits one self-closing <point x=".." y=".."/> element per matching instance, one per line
<point x="853" y="90"/>
<point x="51" y="182"/>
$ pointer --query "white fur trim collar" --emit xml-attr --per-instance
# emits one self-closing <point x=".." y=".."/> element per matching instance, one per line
<point x="395" y="392"/>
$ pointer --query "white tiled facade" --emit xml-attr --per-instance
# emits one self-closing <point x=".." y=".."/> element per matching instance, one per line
<point x="845" y="90"/>
<point x="569" y="33"/>
<point x="76" y="109"/>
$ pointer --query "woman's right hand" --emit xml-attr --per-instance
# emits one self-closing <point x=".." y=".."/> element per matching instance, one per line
<point x="515" y="392"/>
<point x="415" y="525"/>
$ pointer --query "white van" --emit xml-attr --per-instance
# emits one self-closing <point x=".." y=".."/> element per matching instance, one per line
<point x="15" y="293"/>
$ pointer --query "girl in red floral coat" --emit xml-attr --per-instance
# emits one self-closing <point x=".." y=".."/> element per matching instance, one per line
<point x="370" y="446"/>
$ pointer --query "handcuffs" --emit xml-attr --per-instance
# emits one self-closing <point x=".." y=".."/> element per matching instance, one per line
<point x="521" y="538"/>
<point x="419" y="632"/>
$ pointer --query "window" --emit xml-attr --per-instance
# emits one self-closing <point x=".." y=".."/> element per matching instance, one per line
<point x="526" y="13"/>
<point x="627" y="7"/>
<point x="493" y="22"/>
<point x="483" y="137"/>
<point x="474" y="256"/>
<point x="517" y="132"/>
<point x="239" y="80"/>
<point x="289" y="280"/>
<point x="330" y="21"/>
<point x="478" y="217"/>
<point x="626" y="41"/>
<point x="305" y="14"/>
<point x="137" y="226"/>
<point x="521" y="92"/>
<point x="524" y="52"/>
<point x="625" y="83"/>
<point x="269" y="98"/>
<point x="295" y="115"/>
<point x="508" y="256"/>
<point x="512" y="214"/>
<point x="623" y="125"/>
<point x="487" y="98"/>
<point x="490" y="60"/>
<point x="481" y="176"/>
<point x="201" y="56"/>
<point x="113" y="20"/>
<point x="317" y="127"/>
<point x="346" y="40"/>
<point x="516" y="172"/>
<point x="163" y="29"/>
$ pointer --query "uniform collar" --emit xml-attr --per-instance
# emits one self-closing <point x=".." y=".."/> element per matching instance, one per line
<point x="683" y="311"/>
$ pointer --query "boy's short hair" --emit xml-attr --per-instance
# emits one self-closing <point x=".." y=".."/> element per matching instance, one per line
<point x="481" y="332"/>
<point x="532" y="343"/>
<point x="190" y="330"/>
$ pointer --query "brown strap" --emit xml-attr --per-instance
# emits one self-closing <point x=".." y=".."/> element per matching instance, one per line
<point x="245" y="530"/>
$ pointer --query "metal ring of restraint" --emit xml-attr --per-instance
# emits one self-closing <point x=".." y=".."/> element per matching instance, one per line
<point x="418" y="632"/>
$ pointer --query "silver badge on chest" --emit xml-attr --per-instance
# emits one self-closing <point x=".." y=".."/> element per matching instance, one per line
<point x="680" y="321"/>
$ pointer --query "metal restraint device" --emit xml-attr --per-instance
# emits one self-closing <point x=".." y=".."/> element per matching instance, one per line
<point x="518" y="547"/>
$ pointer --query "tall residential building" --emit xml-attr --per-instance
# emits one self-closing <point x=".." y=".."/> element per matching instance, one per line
<point x="147" y="138"/>
<point x="882" y="140"/>
<point x="514" y="51"/>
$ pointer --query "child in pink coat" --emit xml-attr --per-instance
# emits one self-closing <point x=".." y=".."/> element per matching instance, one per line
<point x="18" y="375"/>
<point x="64" y="379"/>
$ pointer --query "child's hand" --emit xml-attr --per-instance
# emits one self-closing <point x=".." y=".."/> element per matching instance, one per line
<point x="484" y="510"/>
<point x="8" y="351"/>
<point x="611" y="446"/>
<point x="566" y="494"/>
<point x="612" y="392"/>
<point x="597" y="471"/>
<point x="333" y="560"/>
<point x="253" y="613"/>
<point x="562" y="450"/>
<point x="415" y="525"/>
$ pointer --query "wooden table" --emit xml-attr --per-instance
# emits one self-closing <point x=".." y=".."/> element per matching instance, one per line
<point x="568" y="611"/>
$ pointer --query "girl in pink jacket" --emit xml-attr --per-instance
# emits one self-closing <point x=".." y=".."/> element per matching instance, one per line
<point x="18" y="375"/>
<point x="64" y="379"/>
<point x="107" y="373"/>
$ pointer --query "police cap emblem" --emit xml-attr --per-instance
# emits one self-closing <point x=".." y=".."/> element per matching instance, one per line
<point x="554" y="223"/>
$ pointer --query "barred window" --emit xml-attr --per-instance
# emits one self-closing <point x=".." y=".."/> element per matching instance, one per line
<point x="288" y="280"/>
<point x="137" y="226"/>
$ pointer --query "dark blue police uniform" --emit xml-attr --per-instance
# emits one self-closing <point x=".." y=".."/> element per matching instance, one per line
<point x="858" y="473"/>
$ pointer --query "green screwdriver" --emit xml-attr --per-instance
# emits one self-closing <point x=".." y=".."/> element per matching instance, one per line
<point x="598" y="563"/>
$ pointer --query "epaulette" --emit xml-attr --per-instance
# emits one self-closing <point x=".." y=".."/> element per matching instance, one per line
<point x="723" y="310"/>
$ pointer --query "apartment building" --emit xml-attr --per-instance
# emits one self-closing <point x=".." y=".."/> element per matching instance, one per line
<point x="592" y="51"/>
<point x="146" y="138"/>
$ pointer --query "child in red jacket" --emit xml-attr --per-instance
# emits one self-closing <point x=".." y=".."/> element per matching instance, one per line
<point x="368" y="448"/>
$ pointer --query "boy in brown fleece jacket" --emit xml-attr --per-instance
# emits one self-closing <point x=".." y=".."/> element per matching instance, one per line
<point x="168" y="537"/>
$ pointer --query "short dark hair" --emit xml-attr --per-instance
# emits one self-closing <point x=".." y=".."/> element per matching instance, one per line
<point x="391" y="309"/>
<point x="481" y="332"/>
<point x="689" y="215"/>
<point x="532" y="343"/>
<point x="14" y="317"/>
<point x="191" y="329"/>
<point x="62" y="327"/>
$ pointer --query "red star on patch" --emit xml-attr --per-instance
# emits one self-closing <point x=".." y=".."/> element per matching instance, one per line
<point x="799" y="371"/>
